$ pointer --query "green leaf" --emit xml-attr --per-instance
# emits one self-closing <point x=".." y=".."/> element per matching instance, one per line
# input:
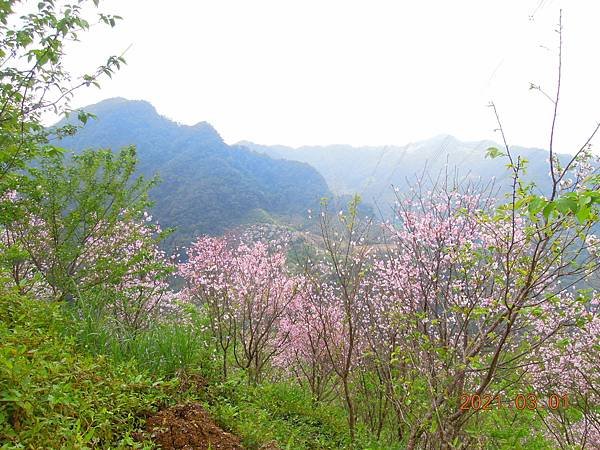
<point x="53" y="151"/>
<point x="536" y="205"/>
<point x="537" y="311"/>
<point x="566" y="204"/>
<point x="493" y="152"/>
<point x="583" y="214"/>
<point x="548" y="209"/>
<point x="585" y="200"/>
<point x="83" y="116"/>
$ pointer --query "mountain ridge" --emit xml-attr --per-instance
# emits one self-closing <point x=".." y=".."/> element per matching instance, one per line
<point x="207" y="186"/>
<point x="372" y="170"/>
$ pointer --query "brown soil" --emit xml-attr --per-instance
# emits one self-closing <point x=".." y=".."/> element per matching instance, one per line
<point x="189" y="427"/>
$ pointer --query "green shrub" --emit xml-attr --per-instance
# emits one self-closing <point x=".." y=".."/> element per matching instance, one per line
<point x="52" y="396"/>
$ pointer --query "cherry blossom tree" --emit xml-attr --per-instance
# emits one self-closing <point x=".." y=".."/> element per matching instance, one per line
<point x="305" y="358"/>
<point x="245" y="291"/>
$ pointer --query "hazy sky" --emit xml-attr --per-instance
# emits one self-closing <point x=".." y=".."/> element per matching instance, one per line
<point x="358" y="72"/>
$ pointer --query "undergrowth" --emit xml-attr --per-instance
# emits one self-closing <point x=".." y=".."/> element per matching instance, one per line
<point x="67" y="383"/>
<point x="54" y="396"/>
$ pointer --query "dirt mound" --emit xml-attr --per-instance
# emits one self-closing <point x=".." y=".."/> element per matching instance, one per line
<point x="189" y="427"/>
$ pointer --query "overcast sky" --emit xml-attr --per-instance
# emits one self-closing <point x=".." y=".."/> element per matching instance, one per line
<point x="358" y="72"/>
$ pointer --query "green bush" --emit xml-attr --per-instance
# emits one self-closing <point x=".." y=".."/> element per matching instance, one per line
<point x="53" y="396"/>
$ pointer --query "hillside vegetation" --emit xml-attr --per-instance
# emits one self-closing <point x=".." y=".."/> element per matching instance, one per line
<point x="460" y="324"/>
<point x="54" y="395"/>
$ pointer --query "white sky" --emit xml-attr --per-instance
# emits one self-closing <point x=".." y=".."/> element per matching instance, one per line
<point x="369" y="72"/>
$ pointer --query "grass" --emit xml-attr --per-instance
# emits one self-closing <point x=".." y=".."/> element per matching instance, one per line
<point x="53" y="396"/>
<point x="166" y="349"/>
<point x="68" y="383"/>
<point x="271" y="412"/>
<point x="278" y="412"/>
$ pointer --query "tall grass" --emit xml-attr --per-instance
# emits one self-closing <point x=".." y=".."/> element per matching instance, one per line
<point x="166" y="348"/>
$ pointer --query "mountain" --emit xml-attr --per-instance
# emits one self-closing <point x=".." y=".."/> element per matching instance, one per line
<point x="207" y="186"/>
<point x="372" y="171"/>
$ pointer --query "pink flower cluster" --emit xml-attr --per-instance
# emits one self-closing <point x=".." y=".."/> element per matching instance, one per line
<point x="246" y="291"/>
<point x="119" y="261"/>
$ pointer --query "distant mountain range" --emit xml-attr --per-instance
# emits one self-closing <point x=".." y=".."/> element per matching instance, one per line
<point x="207" y="186"/>
<point x="372" y="171"/>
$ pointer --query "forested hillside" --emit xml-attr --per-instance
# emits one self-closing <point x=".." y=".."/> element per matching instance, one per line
<point x="471" y="321"/>
<point x="206" y="185"/>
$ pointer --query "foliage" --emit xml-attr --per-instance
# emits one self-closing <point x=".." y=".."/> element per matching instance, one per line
<point x="169" y="349"/>
<point x="81" y="230"/>
<point x="53" y="396"/>
<point x="33" y="80"/>
<point x="360" y="346"/>
<point x="467" y="298"/>
<point x="277" y="412"/>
